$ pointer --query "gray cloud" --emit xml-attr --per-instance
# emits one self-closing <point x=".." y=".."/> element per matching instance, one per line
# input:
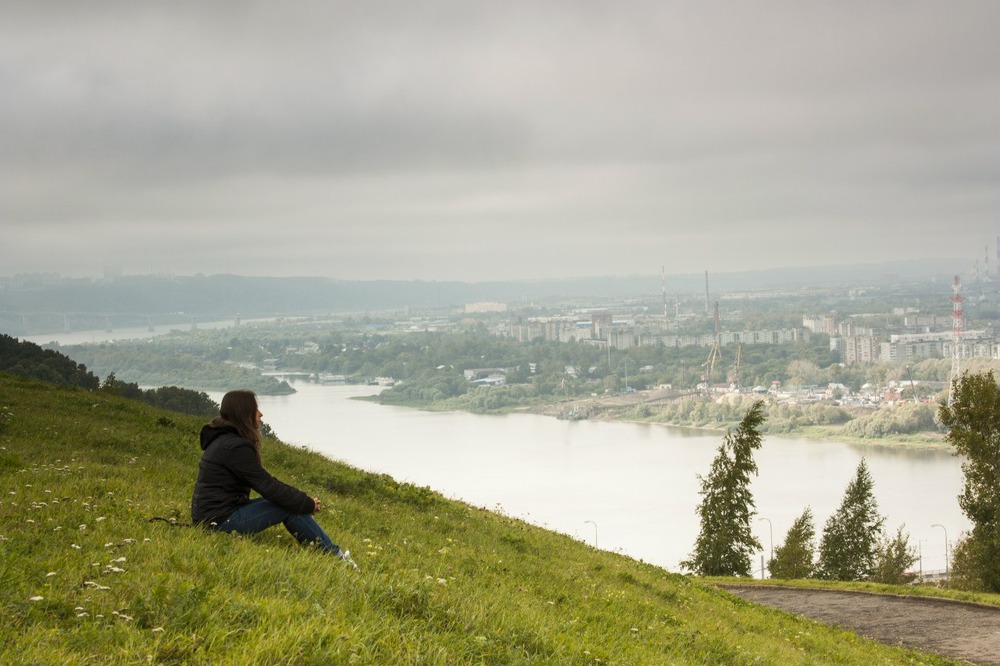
<point x="465" y="140"/>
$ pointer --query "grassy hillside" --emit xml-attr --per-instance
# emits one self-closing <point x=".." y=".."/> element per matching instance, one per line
<point x="85" y="578"/>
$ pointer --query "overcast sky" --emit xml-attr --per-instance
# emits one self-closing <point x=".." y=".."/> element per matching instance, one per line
<point x="497" y="139"/>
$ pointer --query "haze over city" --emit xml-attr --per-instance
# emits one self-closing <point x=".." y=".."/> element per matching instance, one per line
<point x="495" y="141"/>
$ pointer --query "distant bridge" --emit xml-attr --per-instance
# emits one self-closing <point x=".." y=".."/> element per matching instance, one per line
<point x="88" y="319"/>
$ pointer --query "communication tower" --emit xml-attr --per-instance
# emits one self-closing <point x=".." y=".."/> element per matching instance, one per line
<point x="957" y="322"/>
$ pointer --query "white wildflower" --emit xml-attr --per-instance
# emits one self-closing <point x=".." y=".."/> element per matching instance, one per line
<point x="36" y="598"/>
<point x="50" y="574"/>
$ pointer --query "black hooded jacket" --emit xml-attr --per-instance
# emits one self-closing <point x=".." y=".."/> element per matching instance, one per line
<point x="228" y="471"/>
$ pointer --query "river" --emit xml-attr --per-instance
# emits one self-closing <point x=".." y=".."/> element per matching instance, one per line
<point x="67" y="338"/>
<point x="630" y="488"/>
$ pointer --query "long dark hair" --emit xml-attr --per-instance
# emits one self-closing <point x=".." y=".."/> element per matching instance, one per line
<point x="239" y="410"/>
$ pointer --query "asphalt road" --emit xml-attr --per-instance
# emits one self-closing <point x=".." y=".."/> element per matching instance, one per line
<point x="956" y="630"/>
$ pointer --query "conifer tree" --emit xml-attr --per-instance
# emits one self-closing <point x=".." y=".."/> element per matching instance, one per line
<point x="726" y="543"/>
<point x="852" y="536"/>
<point x="973" y="422"/>
<point x="794" y="558"/>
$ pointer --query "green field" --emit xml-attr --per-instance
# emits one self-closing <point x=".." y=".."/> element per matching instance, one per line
<point x="86" y="578"/>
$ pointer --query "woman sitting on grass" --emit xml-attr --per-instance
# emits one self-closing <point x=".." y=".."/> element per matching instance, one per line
<point x="231" y="467"/>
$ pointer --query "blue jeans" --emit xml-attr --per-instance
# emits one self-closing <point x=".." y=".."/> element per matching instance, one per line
<point x="260" y="514"/>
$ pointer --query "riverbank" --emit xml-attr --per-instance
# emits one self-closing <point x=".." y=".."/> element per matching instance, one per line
<point x="642" y="408"/>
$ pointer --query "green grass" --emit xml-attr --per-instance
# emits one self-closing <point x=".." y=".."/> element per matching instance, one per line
<point x="85" y="578"/>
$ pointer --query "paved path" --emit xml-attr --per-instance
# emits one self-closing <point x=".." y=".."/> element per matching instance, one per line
<point x="962" y="631"/>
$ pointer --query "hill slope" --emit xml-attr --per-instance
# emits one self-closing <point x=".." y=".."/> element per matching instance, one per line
<point x="85" y="578"/>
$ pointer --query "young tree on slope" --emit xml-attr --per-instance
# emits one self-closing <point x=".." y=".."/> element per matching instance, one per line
<point x="849" y="548"/>
<point x="794" y="558"/>
<point x="895" y="556"/>
<point x="973" y="422"/>
<point x="725" y="544"/>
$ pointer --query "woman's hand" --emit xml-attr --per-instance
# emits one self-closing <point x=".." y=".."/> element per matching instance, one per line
<point x="316" y="502"/>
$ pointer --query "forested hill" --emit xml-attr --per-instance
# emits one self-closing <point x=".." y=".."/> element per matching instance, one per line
<point x="26" y="359"/>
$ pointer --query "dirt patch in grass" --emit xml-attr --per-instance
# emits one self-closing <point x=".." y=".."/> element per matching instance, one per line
<point x="952" y="629"/>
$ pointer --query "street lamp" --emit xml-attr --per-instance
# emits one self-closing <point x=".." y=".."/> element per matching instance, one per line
<point x="770" y="530"/>
<point x="946" y="567"/>
<point x="920" y="559"/>
<point x="595" y="530"/>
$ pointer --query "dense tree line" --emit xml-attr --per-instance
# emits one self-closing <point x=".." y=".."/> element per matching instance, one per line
<point x="973" y="422"/>
<point x="26" y="359"/>
<point x="170" y="398"/>
<point x="905" y="419"/>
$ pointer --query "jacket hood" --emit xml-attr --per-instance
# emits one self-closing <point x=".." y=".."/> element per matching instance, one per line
<point x="210" y="433"/>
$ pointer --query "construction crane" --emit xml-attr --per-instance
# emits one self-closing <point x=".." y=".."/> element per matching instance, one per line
<point x="734" y="377"/>
<point x="713" y="357"/>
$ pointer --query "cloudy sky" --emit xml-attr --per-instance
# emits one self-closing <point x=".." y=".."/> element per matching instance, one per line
<point x="495" y="140"/>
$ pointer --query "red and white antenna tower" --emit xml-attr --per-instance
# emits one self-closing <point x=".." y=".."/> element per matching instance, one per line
<point x="957" y="321"/>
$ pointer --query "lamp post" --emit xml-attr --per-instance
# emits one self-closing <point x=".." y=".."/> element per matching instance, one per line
<point x="770" y="532"/>
<point x="595" y="530"/>
<point x="947" y="573"/>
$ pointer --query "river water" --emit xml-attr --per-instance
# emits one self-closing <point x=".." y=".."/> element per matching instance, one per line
<point x="630" y="488"/>
<point x="66" y="338"/>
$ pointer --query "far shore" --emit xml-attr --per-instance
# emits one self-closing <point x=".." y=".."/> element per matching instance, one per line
<point x="924" y="440"/>
<point x="617" y="408"/>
